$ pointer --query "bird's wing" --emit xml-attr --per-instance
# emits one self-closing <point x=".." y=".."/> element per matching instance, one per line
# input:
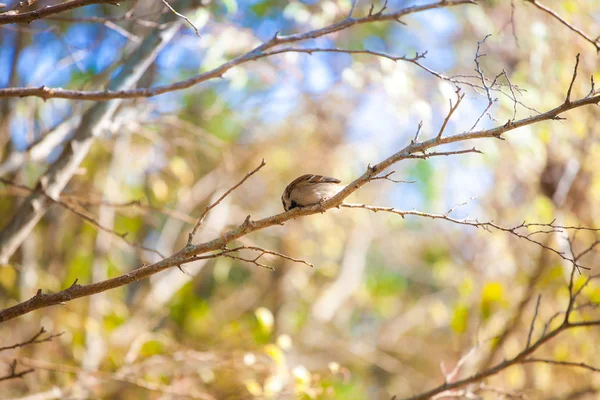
<point x="312" y="179"/>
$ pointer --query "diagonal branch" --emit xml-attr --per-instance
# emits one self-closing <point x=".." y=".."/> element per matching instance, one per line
<point x="57" y="176"/>
<point x="186" y="19"/>
<point x="255" y="54"/>
<point x="41" y="300"/>
<point x="594" y="42"/>
<point x="27" y="17"/>
<point x="220" y="199"/>
<point x="90" y="220"/>
<point x="13" y="374"/>
<point x="453" y="108"/>
<point x="488" y="226"/>
<point x="426" y="155"/>
<point x="522" y="357"/>
<point x="562" y="363"/>
<point x="34" y="340"/>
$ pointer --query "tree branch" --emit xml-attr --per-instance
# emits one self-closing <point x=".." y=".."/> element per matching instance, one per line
<point x="34" y="340"/>
<point x="521" y="358"/>
<point x="13" y="374"/>
<point x="255" y="54"/>
<point x="41" y="300"/>
<point x="515" y="230"/>
<point x="594" y="42"/>
<point x="220" y="199"/>
<point x="90" y="220"/>
<point x="186" y="19"/>
<point x="54" y="180"/>
<point x="13" y="17"/>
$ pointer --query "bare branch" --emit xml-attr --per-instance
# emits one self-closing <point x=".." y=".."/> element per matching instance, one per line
<point x="166" y="3"/>
<point x="249" y="260"/>
<point x="453" y="108"/>
<point x="464" y="203"/>
<point x="562" y="363"/>
<point x="521" y="358"/>
<point x="83" y="202"/>
<point x="282" y="50"/>
<point x="255" y="54"/>
<point x="590" y="248"/>
<point x="85" y="217"/>
<point x="274" y="253"/>
<point x="416" y="139"/>
<point x="118" y="376"/>
<point x="568" y="99"/>
<point x="512" y="87"/>
<point x="386" y="177"/>
<point x="594" y="42"/>
<point x="478" y="68"/>
<point x="352" y="7"/>
<point x="537" y="307"/>
<point x="13" y="17"/>
<point x="41" y="300"/>
<point x="488" y="226"/>
<point x="220" y="199"/>
<point x="13" y="374"/>
<point x="444" y="153"/>
<point x="58" y="174"/>
<point x="227" y="253"/>
<point x="34" y="340"/>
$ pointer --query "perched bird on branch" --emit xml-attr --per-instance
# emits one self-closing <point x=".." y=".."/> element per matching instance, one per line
<point x="308" y="190"/>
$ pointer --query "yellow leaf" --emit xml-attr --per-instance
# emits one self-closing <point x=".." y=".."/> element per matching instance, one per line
<point x="275" y="353"/>
<point x="253" y="387"/>
<point x="492" y="292"/>
<point x="265" y="319"/>
<point x="459" y="318"/>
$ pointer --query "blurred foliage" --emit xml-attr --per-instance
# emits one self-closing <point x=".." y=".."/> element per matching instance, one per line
<point x="389" y="298"/>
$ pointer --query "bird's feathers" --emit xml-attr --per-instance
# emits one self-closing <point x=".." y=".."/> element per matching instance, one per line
<point x="309" y="189"/>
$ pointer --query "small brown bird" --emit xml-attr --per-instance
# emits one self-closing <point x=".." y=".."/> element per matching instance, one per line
<point x="308" y="190"/>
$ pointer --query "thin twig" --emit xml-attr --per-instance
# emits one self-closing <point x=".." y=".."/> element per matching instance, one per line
<point x="594" y="42"/>
<point x="568" y="99"/>
<point x="487" y="226"/>
<point x="416" y="139"/>
<point x="13" y="374"/>
<point x="220" y="199"/>
<point x="26" y="17"/>
<point x="444" y="153"/>
<point x="453" y="108"/>
<point x="227" y="253"/>
<point x="42" y="300"/>
<point x="521" y="358"/>
<point x="563" y="363"/>
<point x="535" y="314"/>
<point x="511" y="86"/>
<point x="181" y="16"/>
<point x="255" y="54"/>
<point x="478" y="68"/>
<point x="387" y="178"/>
<point x="352" y="7"/>
<point x="34" y="340"/>
<point x="85" y="217"/>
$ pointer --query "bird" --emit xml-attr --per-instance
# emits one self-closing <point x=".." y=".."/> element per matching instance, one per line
<point x="308" y="190"/>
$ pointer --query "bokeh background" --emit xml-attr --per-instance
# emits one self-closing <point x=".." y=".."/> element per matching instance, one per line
<point x="390" y="300"/>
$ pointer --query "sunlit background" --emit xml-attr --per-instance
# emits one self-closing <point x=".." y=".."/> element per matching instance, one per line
<point x="389" y="299"/>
